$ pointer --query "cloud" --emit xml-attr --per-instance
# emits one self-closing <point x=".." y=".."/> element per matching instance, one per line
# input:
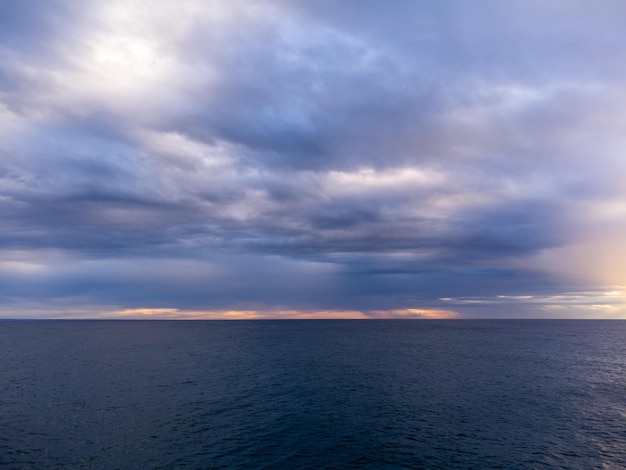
<point x="310" y="156"/>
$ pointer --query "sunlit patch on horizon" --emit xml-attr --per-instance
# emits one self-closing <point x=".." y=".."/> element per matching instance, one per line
<point x="278" y="314"/>
<point x="416" y="313"/>
<point x="183" y="314"/>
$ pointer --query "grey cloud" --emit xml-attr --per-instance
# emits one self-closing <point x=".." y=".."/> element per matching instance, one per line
<point x="282" y="131"/>
<point x="29" y="26"/>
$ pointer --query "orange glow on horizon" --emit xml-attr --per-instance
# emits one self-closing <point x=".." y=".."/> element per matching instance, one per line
<point x="180" y="314"/>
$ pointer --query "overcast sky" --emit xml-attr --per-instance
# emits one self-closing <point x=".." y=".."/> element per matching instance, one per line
<point x="312" y="158"/>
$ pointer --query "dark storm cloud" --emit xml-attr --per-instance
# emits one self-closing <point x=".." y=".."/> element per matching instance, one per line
<point x="346" y="155"/>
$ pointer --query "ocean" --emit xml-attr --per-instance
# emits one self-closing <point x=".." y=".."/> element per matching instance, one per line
<point x="467" y="394"/>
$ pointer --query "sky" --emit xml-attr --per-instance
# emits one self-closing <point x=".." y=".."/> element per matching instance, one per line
<point x="312" y="159"/>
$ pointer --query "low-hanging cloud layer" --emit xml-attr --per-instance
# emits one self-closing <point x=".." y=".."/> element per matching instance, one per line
<point x="309" y="159"/>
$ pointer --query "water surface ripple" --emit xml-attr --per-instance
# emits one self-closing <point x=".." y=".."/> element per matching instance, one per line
<point x="313" y="394"/>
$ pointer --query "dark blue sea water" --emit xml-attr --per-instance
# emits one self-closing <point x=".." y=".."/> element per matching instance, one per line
<point x="313" y="394"/>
